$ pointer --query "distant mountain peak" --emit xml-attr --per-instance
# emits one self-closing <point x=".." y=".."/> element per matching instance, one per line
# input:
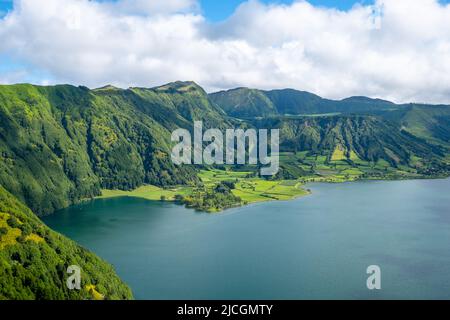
<point x="365" y="99"/>
<point x="108" y="87"/>
<point x="295" y="91"/>
<point x="180" y="86"/>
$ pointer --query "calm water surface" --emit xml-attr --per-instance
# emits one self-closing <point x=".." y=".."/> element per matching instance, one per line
<point x="318" y="246"/>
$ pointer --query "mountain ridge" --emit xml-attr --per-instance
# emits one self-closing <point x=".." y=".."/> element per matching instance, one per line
<point x="295" y="102"/>
<point x="182" y="83"/>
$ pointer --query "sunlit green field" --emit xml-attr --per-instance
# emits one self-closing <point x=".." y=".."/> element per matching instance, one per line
<point x="146" y="192"/>
<point x="250" y="188"/>
<point x="339" y="168"/>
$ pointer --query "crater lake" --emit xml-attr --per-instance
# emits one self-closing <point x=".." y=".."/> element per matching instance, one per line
<point x="314" y="247"/>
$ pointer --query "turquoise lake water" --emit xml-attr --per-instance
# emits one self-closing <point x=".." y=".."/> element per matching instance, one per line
<point x="315" y="247"/>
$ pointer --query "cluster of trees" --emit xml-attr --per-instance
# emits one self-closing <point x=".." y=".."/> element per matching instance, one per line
<point x="213" y="199"/>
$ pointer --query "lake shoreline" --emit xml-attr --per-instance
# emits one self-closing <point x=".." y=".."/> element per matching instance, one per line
<point x="294" y="249"/>
<point x="154" y="193"/>
<point x="111" y="194"/>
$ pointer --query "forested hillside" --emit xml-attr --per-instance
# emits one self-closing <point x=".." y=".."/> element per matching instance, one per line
<point x="250" y="103"/>
<point x="427" y="121"/>
<point x="357" y="138"/>
<point x="61" y="144"/>
<point x="34" y="260"/>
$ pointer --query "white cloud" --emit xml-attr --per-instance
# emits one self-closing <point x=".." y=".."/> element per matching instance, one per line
<point x="396" y="49"/>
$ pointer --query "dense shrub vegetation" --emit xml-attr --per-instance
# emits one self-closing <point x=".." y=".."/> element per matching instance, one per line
<point x="34" y="260"/>
<point x="211" y="199"/>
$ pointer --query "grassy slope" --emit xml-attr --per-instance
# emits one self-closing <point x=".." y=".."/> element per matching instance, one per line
<point x="34" y="260"/>
<point x="354" y="140"/>
<point x="248" y="189"/>
<point x="344" y="168"/>
<point x="148" y="192"/>
<point x="253" y="189"/>
<point x="244" y="102"/>
<point x="430" y="122"/>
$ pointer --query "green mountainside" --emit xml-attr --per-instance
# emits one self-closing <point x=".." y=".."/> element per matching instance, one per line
<point x="413" y="135"/>
<point x="368" y="137"/>
<point x="62" y="144"/>
<point x="427" y="121"/>
<point x="244" y="103"/>
<point x="34" y="260"/>
<point x="250" y="103"/>
<point x="356" y="140"/>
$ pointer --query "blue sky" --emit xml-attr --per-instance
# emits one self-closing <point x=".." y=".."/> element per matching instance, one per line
<point x="5" y="5"/>
<point x="216" y="10"/>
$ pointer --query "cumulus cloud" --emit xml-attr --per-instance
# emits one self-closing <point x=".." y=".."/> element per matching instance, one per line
<point x="395" y="49"/>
